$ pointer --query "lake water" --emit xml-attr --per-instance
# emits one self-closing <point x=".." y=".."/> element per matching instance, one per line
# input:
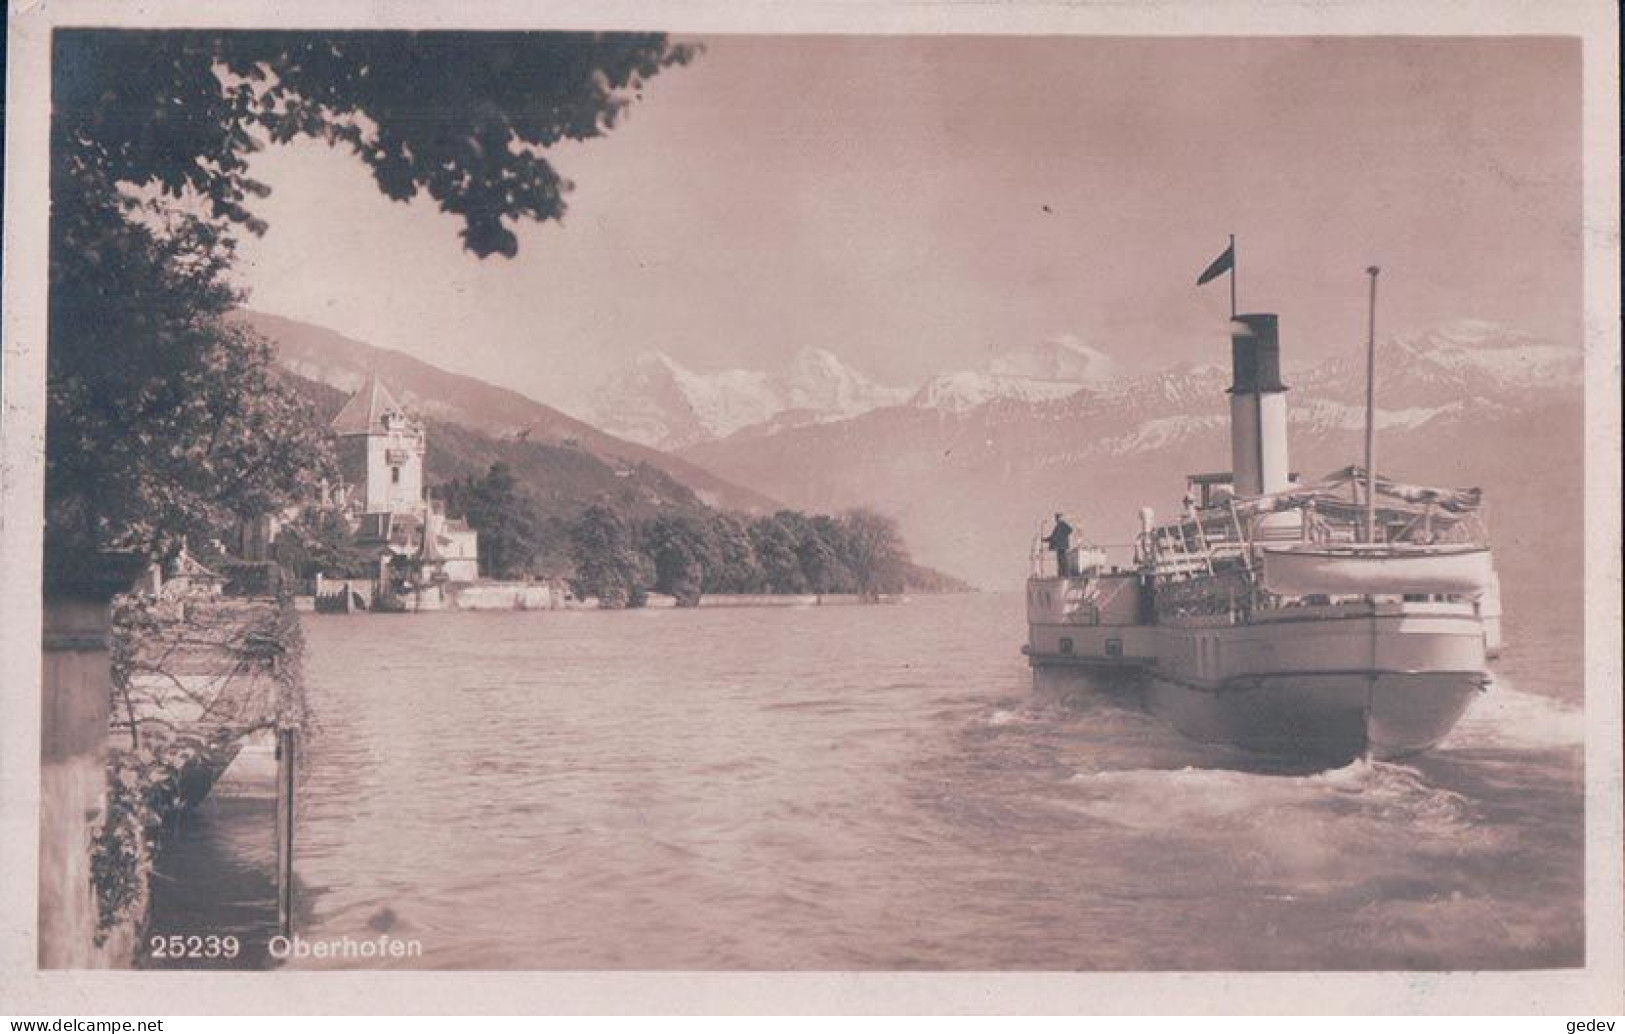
<point x="879" y="788"/>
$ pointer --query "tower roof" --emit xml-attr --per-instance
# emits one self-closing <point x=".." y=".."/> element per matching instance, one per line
<point x="365" y="412"/>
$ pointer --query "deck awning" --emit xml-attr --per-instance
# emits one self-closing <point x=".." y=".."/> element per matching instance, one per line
<point x="1332" y="496"/>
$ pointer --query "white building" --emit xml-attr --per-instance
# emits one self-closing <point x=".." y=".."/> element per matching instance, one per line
<point x="380" y="452"/>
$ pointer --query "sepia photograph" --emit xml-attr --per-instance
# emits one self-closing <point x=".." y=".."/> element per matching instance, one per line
<point x="635" y="497"/>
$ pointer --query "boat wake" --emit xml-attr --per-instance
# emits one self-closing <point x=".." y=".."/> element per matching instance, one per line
<point x="1510" y="717"/>
<point x="1193" y="798"/>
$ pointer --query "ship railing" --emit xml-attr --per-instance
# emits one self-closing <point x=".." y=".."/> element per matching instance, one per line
<point x="1172" y="554"/>
<point x="1206" y="564"/>
<point x="1393" y="525"/>
<point x="1424" y="516"/>
<point x="1043" y="561"/>
<point x="1204" y="545"/>
<point x="1082" y="560"/>
<point x="1339" y="523"/>
<point x="1426" y="528"/>
<point x="1039" y="560"/>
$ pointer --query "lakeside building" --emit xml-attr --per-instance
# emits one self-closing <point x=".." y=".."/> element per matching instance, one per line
<point x="381" y="449"/>
<point x="380" y="452"/>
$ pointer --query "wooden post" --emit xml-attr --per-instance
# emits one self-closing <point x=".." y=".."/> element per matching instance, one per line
<point x="286" y="758"/>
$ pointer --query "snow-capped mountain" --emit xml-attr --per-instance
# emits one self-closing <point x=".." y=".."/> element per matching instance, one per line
<point x="659" y="402"/>
<point x="819" y="382"/>
<point x="967" y="389"/>
<point x="1462" y="360"/>
<point x="1064" y="358"/>
<point x="968" y="470"/>
<point x="1044" y="372"/>
<point x="328" y="358"/>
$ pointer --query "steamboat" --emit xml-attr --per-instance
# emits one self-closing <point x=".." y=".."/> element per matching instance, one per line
<point x="1349" y="616"/>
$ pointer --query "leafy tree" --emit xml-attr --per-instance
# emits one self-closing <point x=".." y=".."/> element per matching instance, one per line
<point x="683" y="553"/>
<point x="733" y="566"/>
<point x="777" y="546"/>
<point x="496" y="508"/>
<point x="788" y="552"/>
<point x="291" y="552"/>
<point x="163" y="420"/>
<point x="875" y="553"/>
<point x="463" y="116"/>
<point x="817" y="544"/>
<point x="607" y="563"/>
<point x="553" y="546"/>
<point x="331" y="546"/>
<point x="823" y="555"/>
<point x="320" y="541"/>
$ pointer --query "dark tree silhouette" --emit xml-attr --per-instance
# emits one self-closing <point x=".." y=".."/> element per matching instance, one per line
<point x="788" y="552"/>
<point x="165" y="420"/>
<point x="328" y="546"/>
<point x="734" y="567"/>
<point x="504" y="516"/>
<point x="776" y="545"/>
<point x="682" y="553"/>
<point x="463" y="116"/>
<point x="875" y="553"/>
<point x="607" y="562"/>
<point x="826" y="554"/>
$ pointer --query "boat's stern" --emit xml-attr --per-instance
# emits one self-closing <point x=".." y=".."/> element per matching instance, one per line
<point x="1334" y="681"/>
<point x="1088" y="621"/>
<point x="1410" y="712"/>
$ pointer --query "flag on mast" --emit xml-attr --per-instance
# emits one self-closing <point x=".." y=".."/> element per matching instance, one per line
<point x="1219" y="266"/>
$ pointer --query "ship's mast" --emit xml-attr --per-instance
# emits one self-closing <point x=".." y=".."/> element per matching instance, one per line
<point x="1371" y="410"/>
<point x="1232" y="276"/>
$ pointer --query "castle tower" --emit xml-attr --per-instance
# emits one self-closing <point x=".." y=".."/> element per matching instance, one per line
<point x="380" y="451"/>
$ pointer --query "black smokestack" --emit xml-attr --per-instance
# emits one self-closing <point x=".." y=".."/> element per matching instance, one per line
<point x="1255" y="354"/>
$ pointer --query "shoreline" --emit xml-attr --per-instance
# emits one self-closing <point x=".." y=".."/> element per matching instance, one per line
<point x="500" y="597"/>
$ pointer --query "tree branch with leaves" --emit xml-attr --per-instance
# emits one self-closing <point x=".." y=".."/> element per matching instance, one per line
<point x="166" y="420"/>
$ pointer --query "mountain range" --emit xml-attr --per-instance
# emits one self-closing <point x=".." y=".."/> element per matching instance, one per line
<point x="972" y="463"/>
<point x="326" y="357"/>
<point x="1471" y="403"/>
<point x="1049" y="370"/>
<point x="659" y="402"/>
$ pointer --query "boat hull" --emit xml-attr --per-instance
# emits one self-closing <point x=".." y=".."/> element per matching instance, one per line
<point x="1328" y="717"/>
<point x="1335" y="716"/>
<point x="1330" y="683"/>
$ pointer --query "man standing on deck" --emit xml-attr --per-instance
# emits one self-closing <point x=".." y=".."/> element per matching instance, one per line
<point x="1060" y="540"/>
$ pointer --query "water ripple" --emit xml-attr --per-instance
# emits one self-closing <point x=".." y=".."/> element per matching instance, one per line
<point x="721" y="789"/>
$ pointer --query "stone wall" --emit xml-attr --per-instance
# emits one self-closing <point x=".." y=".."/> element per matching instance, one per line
<point x="502" y="596"/>
<point x="75" y="705"/>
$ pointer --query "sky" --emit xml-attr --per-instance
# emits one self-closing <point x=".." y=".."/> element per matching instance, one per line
<point x="918" y="204"/>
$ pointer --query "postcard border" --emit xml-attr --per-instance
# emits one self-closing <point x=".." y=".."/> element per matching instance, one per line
<point x="1596" y="988"/>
